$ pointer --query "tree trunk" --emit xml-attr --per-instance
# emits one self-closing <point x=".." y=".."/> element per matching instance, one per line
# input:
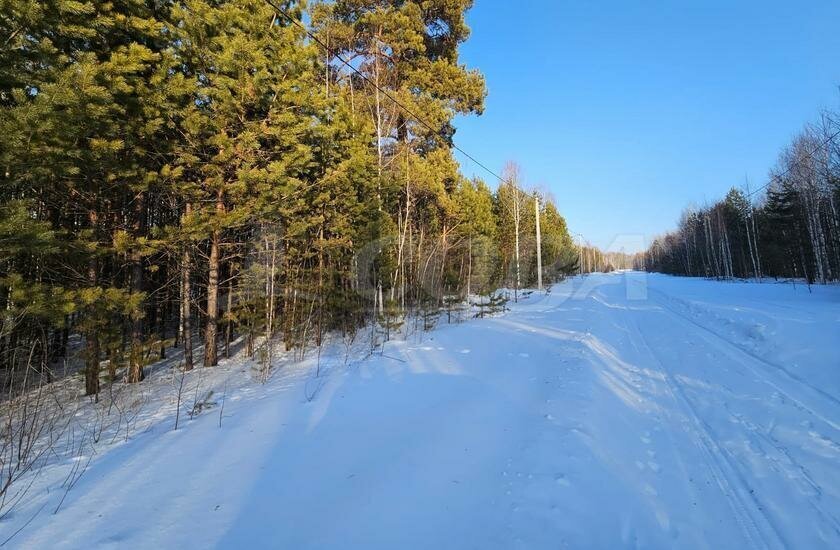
<point x="211" y="358"/>
<point x="228" y="314"/>
<point x="186" y="324"/>
<point x="162" y="311"/>
<point x="92" y="336"/>
<point x="135" y="368"/>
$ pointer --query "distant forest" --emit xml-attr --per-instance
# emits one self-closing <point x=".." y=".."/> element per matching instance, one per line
<point x="787" y="228"/>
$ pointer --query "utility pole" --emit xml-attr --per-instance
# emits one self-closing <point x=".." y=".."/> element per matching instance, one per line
<point x="580" y="252"/>
<point x="539" y="243"/>
<point x="516" y="218"/>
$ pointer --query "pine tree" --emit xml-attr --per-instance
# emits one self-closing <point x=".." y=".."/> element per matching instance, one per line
<point x="82" y="88"/>
<point x="559" y="254"/>
<point x="246" y="132"/>
<point x="407" y="51"/>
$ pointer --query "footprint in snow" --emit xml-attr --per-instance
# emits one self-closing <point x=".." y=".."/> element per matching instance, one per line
<point x="654" y="466"/>
<point x="465" y="351"/>
<point x="524" y="355"/>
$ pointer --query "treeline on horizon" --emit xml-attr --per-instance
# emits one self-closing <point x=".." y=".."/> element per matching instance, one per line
<point x="186" y="172"/>
<point x="789" y="228"/>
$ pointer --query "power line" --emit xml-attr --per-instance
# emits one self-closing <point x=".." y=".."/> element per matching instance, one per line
<point x="387" y="94"/>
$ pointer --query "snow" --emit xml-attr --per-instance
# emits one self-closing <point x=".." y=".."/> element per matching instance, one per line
<point x="620" y="410"/>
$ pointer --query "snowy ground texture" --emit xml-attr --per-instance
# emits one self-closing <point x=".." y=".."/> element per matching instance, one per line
<point x="622" y="410"/>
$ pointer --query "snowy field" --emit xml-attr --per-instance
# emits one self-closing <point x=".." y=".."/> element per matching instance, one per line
<point x="619" y="411"/>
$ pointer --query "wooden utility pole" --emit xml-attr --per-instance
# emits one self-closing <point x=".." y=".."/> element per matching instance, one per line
<point x="580" y="257"/>
<point x="539" y="243"/>
<point x="516" y="217"/>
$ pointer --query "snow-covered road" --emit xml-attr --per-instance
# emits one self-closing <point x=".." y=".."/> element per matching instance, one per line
<point x="620" y="410"/>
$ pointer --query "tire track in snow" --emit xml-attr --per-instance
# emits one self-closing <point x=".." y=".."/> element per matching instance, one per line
<point x="757" y="527"/>
<point x="677" y="456"/>
<point x="735" y="494"/>
<point x="782" y="457"/>
<point x="783" y="463"/>
<point x="775" y="368"/>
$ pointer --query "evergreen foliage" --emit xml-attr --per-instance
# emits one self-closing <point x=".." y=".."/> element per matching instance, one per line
<point x="183" y="172"/>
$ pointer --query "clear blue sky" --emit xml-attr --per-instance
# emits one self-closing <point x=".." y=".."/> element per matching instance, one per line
<point x="627" y="111"/>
